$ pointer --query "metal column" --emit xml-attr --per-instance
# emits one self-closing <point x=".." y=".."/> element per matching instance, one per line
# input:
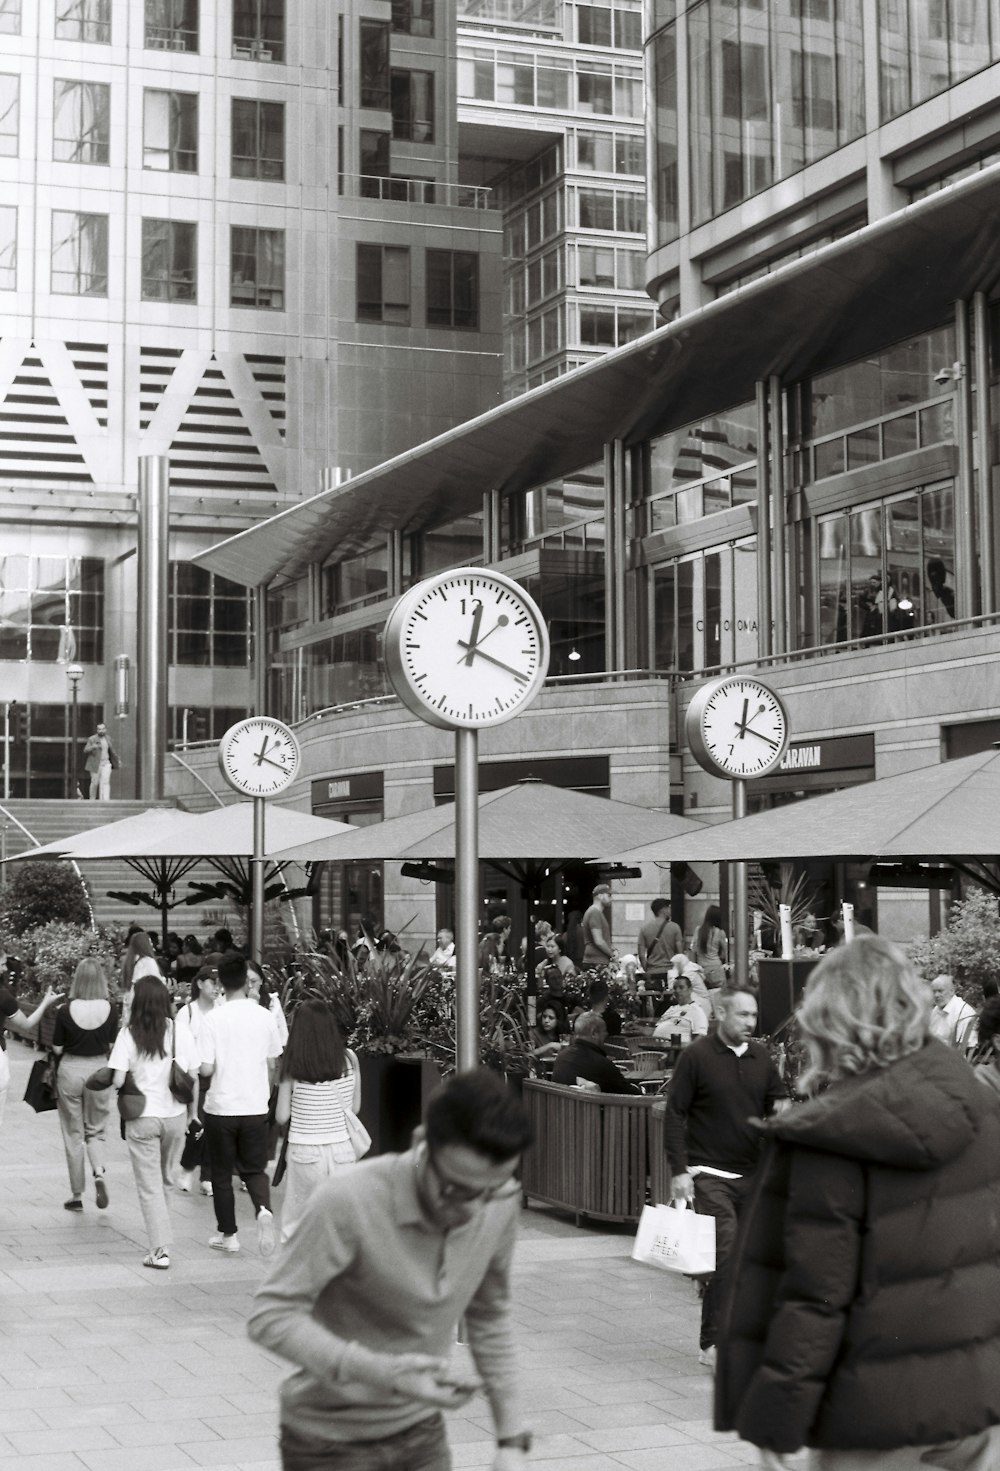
<point x="965" y="518"/>
<point x="614" y="554"/>
<point x="764" y="640"/>
<point x="467" y="898"/>
<point x="984" y="434"/>
<point x="777" y="443"/>
<point x="260" y="649"/>
<point x="257" y="865"/>
<point x="741" y="896"/>
<point x="151" y="699"/>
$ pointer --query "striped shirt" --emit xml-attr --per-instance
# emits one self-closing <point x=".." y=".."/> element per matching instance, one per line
<point x="317" y="1115"/>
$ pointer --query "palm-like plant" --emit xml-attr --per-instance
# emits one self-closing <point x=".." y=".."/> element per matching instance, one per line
<point x="794" y="890"/>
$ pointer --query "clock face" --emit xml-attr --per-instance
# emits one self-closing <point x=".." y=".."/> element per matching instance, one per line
<point x="259" y="757"/>
<point x="466" y="648"/>
<point x="737" y="727"/>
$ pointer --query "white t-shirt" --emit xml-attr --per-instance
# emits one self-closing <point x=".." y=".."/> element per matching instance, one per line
<point x="238" y="1038"/>
<point x="689" y="1021"/>
<point x="191" y="1019"/>
<point x="152" y="1074"/>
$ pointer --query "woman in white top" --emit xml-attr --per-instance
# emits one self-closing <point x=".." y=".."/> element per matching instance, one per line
<point x="155" y="1138"/>
<point x="139" y="960"/>
<point x="191" y="1020"/>
<point x="320" y="1078"/>
<point x="258" y="990"/>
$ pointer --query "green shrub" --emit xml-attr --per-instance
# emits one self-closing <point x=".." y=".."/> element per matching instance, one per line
<point x="52" y="951"/>
<point x="968" y="948"/>
<point x="38" y="893"/>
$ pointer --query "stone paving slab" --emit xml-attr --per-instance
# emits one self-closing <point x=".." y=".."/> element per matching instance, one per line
<point x="107" y="1366"/>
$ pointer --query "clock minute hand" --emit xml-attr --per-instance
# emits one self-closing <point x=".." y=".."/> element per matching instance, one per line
<point x="476" y="644"/>
<point x="762" y="737"/>
<point x="474" y="649"/>
<point x="280" y="764"/>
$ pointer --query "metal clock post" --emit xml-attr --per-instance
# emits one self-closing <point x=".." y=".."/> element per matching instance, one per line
<point x="737" y="727"/>
<point x="259" y="758"/>
<point x="466" y="649"/>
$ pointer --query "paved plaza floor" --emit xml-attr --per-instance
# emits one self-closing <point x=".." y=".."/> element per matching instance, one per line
<point x="108" y="1366"/>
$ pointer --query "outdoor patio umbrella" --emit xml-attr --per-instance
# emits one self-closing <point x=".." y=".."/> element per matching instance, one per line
<point x="528" y="821"/>
<point x="948" y="812"/>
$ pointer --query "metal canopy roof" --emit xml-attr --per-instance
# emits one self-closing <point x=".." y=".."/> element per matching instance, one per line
<point x="892" y="279"/>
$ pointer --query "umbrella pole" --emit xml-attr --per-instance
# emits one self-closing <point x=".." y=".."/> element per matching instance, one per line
<point x="741" y="896"/>
<point x="467" y="898"/>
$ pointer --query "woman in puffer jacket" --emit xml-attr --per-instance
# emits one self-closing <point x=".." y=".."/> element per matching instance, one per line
<point x="864" y="1317"/>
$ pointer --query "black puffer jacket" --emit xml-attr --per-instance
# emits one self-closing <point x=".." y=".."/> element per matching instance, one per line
<point x="865" y="1306"/>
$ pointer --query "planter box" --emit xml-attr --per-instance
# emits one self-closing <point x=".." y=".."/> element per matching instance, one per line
<point x="394" y="1094"/>
<point x="781" y="985"/>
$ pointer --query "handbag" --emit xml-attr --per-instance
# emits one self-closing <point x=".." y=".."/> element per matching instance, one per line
<point x="280" y="1167"/>
<point x="40" y="1093"/>
<point x="131" y="1099"/>
<point x="361" y="1140"/>
<point x="180" y="1082"/>
<point x="675" y="1240"/>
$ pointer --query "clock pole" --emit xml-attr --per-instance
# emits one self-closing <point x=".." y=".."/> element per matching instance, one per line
<point x="467" y="898"/>
<point x="741" y="894"/>
<point x="257" y="875"/>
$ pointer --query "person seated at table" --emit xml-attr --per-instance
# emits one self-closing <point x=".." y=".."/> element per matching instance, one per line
<point x="547" y="1037"/>
<point x="586" y="1060"/>
<point x="599" y="997"/>
<point x="680" y="966"/>
<point x="684" y="1018"/>
<point x="555" y="967"/>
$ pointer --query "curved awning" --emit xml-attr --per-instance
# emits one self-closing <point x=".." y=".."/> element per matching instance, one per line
<point x="889" y="280"/>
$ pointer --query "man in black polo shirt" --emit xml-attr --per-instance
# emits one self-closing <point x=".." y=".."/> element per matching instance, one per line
<point x="719" y="1085"/>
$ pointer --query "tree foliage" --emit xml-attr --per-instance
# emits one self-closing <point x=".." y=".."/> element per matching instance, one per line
<point x="968" y="948"/>
<point x="40" y="892"/>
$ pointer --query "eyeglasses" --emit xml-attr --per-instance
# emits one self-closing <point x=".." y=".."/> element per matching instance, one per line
<point x="456" y="1193"/>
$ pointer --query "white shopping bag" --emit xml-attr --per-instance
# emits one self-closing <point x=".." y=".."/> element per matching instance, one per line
<point x="675" y="1239"/>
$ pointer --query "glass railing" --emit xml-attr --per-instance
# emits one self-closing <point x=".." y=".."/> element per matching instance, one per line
<point x="418" y="191"/>
<point x="539" y="14"/>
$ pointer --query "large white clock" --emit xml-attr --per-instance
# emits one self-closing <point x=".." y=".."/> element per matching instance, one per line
<point x="737" y="727"/>
<point x="259" y="757"/>
<point x="466" y="648"/>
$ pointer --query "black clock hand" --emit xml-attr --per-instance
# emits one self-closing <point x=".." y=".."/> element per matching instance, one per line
<point x="501" y="622"/>
<point x="762" y="737"/>
<point x="260" y="754"/>
<point x="743" y="722"/>
<point x="475" y="649"/>
<point x="280" y="764"/>
<point x="477" y="619"/>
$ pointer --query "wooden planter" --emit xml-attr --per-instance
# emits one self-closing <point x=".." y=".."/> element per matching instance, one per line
<point x="394" y="1094"/>
<point x="781" y="985"/>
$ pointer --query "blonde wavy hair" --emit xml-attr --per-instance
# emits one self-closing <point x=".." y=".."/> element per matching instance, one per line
<point x="864" y="1007"/>
<point x="89" y="982"/>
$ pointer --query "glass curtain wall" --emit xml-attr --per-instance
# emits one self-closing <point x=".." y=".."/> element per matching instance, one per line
<point x="772" y="88"/>
<point x="703" y="608"/>
<point x="926" y="46"/>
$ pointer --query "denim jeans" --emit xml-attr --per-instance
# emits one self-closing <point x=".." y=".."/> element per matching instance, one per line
<point x="237" y="1142"/>
<point x="723" y="1199"/>
<point x="422" y="1447"/>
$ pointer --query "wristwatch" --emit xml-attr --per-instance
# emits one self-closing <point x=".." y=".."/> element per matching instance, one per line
<point x="520" y="1442"/>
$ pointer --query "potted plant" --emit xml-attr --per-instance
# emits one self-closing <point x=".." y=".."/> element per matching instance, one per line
<point x="781" y="979"/>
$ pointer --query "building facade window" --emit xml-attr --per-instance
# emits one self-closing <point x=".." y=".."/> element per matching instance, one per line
<point x="257" y="268"/>
<point x="383" y="284"/>
<point x="208" y="619"/>
<point x="8" y="247"/>
<point x="10" y="17"/>
<point x="707" y="466"/>
<point x="412" y="105"/>
<point x="771" y="89"/>
<point x="81" y="127"/>
<point x="79" y="253"/>
<point x="169" y="260"/>
<point x="358" y="580"/>
<point x="170" y="131"/>
<point x="888" y="567"/>
<point x="52" y="609"/>
<point x="10" y="94"/>
<point x="453" y="289"/>
<point x="188" y="724"/>
<point x="258" y="139"/>
<point x="666" y="198"/>
<point x="171" y="25"/>
<point x="84" y="20"/>
<point x="374" y="161"/>
<point x="413" y="17"/>
<point x="926" y="46"/>
<point x="373" y="46"/>
<point x="259" y="30"/>
<point x="704" y="609"/>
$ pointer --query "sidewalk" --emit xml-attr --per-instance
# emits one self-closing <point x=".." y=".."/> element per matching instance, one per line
<point x="107" y="1366"/>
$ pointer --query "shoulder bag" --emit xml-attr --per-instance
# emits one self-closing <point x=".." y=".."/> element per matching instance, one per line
<point x="361" y="1140"/>
<point x="40" y="1094"/>
<point x="131" y="1099"/>
<point x="181" y="1083"/>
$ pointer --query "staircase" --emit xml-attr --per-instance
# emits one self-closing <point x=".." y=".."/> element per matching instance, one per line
<point x="29" y="823"/>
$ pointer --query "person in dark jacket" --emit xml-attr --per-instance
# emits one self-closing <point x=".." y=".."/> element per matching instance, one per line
<point x="586" y="1058"/>
<point x="864" y="1316"/>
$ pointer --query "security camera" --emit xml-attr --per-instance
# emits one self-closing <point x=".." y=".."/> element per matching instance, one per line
<point x="943" y="375"/>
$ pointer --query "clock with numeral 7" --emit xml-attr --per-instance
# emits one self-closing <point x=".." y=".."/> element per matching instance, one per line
<point x="466" y="648"/>
<point x="259" y="757"/>
<point x="737" y="727"/>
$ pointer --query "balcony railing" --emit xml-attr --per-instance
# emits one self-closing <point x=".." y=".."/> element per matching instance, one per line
<point x="546" y="15"/>
<point x="418" y="191"/>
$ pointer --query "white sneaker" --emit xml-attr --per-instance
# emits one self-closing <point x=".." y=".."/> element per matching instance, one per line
<point x="185" y="1180"/>
<point x="218" y="1242"/>
<point x="265" y="1231"/>
<point x="706" y="1357"/>
<point x="205" y="1188"/>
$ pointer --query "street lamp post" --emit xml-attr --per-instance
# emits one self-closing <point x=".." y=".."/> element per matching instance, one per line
<point x="74" y="673"/>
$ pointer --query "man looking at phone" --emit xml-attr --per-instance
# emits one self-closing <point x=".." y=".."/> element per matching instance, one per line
<point x="368" y="1292"/>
